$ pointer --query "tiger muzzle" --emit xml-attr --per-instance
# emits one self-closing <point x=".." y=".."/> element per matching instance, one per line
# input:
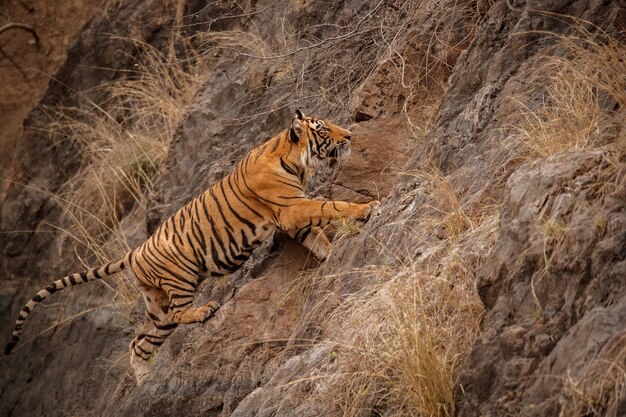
<point x="342" y="149"/>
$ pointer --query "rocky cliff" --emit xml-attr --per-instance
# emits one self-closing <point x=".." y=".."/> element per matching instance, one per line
<point x="492" y="282"/>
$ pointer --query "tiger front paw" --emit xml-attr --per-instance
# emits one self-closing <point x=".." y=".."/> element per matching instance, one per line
<point x="370" y="210"/>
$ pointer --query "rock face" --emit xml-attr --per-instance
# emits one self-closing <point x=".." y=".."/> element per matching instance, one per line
<point x="552" y="283"/>
<point x="556" y="312"/>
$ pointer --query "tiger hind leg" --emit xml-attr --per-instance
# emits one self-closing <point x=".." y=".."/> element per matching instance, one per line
<point x="144" y="346"/>
<point x="181" y="308"/>
<point x="190" y="315"/>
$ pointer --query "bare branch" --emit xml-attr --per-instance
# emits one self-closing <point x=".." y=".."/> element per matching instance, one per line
<point x="22" y="26"/>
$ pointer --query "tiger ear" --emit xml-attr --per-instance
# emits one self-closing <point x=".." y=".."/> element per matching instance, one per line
<point x="296" y="127"/>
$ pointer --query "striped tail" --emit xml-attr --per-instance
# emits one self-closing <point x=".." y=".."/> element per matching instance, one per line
<point x="74" y="279"/>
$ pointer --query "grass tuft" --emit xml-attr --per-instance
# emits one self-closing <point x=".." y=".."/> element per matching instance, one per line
<point x="400" y="342"/>
<point x="583" y="82"/>
<point x="601" y="388"/>
<point x="122" y="142"/>
<point x="448" y="218"/>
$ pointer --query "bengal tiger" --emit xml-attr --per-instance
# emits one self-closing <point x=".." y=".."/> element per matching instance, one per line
<point x="215" y="233"/>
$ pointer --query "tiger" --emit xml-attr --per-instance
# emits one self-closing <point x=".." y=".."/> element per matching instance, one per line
<point x="216" y="232"/>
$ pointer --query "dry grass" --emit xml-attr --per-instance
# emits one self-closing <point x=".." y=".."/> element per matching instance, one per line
<point x="429" y="54"/>
<point x="345" y="228"/>
<point x="246" y="43"/>
<point x="400" y="339"/>
<point x="449" y="219"/>
<point x="602" y="386"/>
<point x="554" y="232"/>
<point x="309" y="63"/>
<point x="583" y="79"/>
<point x="294" y="60"/>
<point x="400" y="342"/>
<point x="122" y="142"/>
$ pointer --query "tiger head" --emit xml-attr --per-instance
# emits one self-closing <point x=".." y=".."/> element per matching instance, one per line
<point x="319" y="138"/>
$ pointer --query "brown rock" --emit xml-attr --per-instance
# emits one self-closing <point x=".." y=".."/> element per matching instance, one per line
<point x="379" y="150"/>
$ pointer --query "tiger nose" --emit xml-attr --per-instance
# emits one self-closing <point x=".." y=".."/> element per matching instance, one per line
<point x="348" y="136"/>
